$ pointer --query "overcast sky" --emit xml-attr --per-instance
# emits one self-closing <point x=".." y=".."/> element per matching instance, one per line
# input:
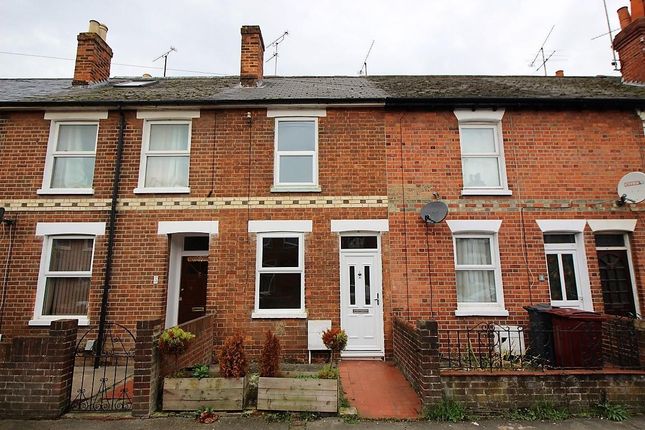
<point x="496" y="37"/>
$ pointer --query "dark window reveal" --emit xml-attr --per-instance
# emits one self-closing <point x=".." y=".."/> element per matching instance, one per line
<point x="607" y="240"/>
<point x="280" y="290"/>
<point x="559" y="238"/>
<point x="196" y="243"/>
<point x="358" y="242"/>
<point x="280" y="252"/>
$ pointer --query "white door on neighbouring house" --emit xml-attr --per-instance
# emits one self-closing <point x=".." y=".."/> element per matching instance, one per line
<point x="361" y="296"/>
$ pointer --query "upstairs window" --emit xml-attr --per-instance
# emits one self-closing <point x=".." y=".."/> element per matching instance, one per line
<point x="482" y="153"/>
<point x="295" y="162"/>
<point x="165" y="152"/>
<point x="71" y="153"/>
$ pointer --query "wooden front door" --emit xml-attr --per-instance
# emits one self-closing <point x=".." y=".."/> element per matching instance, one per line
<point x="192" y="291"/>
<point x="616" y="282"/>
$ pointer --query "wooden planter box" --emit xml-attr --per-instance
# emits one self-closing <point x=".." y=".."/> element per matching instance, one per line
<point x="188" y="394"/>
<point x="297" y="394"/>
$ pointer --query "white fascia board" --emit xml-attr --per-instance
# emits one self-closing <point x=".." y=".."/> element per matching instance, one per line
<point x="88" y="228"/>
<point x="345" y="225"/>
<point x="167" y="114"/>
<point x="598" y="225"/>
<point x="76" y="115"/>
<point x="173" y="227"/>
<point x="473" y="226"/>
<point x="561" y="225"/>
<point x="295" y="226"/>
<point x="479" y="115"/>
<point x="296" y="112"/>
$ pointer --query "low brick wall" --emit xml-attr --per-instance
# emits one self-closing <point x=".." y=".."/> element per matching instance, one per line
<point x="416" y="352"/>
<point x="495" y="392"/>
<point x="150" y="367"/>
<point x="36" y="373"/>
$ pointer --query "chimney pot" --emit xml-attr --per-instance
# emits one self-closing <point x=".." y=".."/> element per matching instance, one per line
<point x="93" y="55"/>
<point x="559" y="73"/>
<point x="252" y="56"/>
<point x="638" y="9"/>
<point x="624" y="17"/>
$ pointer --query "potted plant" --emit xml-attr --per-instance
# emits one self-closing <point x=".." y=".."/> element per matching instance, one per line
<point x="198" y="387"/>
<point x="174" y="341"/>
<point x="294" y="391"/>
<point x="336" y="340"/>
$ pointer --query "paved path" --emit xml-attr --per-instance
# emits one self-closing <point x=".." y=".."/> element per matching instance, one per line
<point x="259" y="423"/>
<point x="377" y="389"/>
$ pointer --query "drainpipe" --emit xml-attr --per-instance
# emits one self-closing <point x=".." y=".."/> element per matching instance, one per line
<point x="110" y="243"/>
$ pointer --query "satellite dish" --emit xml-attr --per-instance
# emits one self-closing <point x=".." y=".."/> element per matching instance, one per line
<point x="434" y="212"/>
<point x="631" y="188"/>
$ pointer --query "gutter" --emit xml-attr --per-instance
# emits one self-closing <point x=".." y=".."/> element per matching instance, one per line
<point x="107" y="278"/>
<point x="492" y="102"/>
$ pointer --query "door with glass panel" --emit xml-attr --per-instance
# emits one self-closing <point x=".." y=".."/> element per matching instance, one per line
<point x="563" y="271"/>
<point x="361" y="297"/>
<point x="616" y="275"/>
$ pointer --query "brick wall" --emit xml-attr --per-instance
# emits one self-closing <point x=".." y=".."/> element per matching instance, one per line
<point x="416" y="353"/>
<point x="36" y="373"/>
<point x="560" y="165"/>
<point x="150" y="367"/>
<point x="492" y="393"/>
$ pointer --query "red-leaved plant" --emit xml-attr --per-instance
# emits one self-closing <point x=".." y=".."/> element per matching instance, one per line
<point x="232" y="359"/>
<point x="336" y="340"/>
<point x="270" y="355"/>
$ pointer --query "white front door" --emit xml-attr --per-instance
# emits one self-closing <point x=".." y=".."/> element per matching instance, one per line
<point x="362" y="303"/>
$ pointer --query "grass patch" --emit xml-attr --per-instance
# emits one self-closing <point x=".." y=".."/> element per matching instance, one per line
<point x="542" y="411"/>
<point x="611" y="411"/>
<point x="446" y="410"/>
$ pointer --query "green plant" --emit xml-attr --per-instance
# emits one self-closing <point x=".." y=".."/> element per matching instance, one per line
<point x="446" y="410"/>
<point x="342" y="400"/>
<point x="206" y="415"/>
<point x="278" y="417"/>
<point x="539" y="412"/>
<point x="200" y="371"/>
<point x="232" y="358"/>
<point x="174" y="340"/>
<point x="612" y="411"/>
<point x="336" y="340"/>
<point x="328" y="372"/>
<point x="270" y="355"/>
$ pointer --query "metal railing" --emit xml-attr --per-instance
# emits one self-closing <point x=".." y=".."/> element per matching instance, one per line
<point x="579" y="345"/>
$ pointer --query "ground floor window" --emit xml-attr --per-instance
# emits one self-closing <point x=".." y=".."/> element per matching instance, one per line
<point x="279" y="273"/>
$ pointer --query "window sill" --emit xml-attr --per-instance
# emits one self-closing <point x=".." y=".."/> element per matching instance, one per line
<point x="296" y="189"/>
<point x="45" y="322"/>
<point x="472" y="192"/>
<point x="63" y="191"/>
<point x="282" y="315"/>
<point x="481" y="312"/>
<point x="162" y="190"/>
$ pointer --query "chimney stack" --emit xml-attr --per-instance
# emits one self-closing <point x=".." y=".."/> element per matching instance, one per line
<point x="559" y="73"/>
<point x="93" y="55"/>
<point x="252" y="58"/>
<point x="630" y="42"/>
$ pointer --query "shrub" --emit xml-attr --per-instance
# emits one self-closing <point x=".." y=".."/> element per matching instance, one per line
<point x="336" y="340"/>
<point x="174" y="340"/>
<point x="270" y="355"/>
<point x="232" y="359"/>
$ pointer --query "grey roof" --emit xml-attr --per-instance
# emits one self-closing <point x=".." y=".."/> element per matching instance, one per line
<point x="395" y="90"/>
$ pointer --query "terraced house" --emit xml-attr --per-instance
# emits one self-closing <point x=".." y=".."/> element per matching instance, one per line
<point x="273" y="201"/>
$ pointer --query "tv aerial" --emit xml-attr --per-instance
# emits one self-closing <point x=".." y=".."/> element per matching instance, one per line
<point x="545" y="58"/>
<point x="364" y="66"/>
<point x="434" y="212"/>
<point x="609" y="33"/>
<point x="275" y="45"/>
<point x="631" y="188"/>
<point x="165" y="58"/>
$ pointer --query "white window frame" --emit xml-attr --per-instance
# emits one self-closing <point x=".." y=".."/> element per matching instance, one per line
<point x="163" y="117"/>
<point x="51" y="231"/>
<point x="478" y="229"/>
<point x="575" y="227"/>
<point x="293" y="186"/>
<point x="67" y="118"/>
<point x="279" y="313"/>
<point x="492" y="119"/>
